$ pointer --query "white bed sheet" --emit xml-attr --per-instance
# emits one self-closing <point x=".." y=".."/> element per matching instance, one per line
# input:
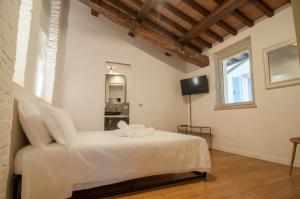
<point x="101" y="158"/>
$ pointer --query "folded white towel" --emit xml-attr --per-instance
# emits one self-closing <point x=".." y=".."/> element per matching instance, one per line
<point x="136" y="133"/>
<point x="133" y="130"/>
<point x="123" y="125"/>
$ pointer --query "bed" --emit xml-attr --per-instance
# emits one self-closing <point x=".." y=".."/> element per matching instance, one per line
<point x="104" y="157"/>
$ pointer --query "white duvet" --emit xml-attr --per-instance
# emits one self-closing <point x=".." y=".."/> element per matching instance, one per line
<point x="106" y="158"/>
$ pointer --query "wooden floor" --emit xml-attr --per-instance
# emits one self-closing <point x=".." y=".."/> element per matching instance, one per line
<point x="232" y="177"/>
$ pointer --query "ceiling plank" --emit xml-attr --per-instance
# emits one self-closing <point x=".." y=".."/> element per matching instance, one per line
<point x="147" y="6"/>
<point x="262" y="6"/>
<point x="177" y="26"/>
<point x="239" y="15"/>
<point x="203" y="42"/>
<point x="227" y="27"/>
<point x="202" y="10"/>
<point x="214" y="35"/>
<point x="172" y="24"/>
<point x="225" y="9"/>
<point x="153" y="24"/>
<point x="243" y="18"/>
<point x="141" y="30"/>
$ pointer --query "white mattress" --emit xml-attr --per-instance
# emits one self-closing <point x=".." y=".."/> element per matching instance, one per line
<point x="101" y="158"/>
<point x="19" y="158"/>
<point x="29" y="149"/>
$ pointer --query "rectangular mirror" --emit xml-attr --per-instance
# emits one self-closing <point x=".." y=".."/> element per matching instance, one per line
<point x="115" y="88"/>
<point x="282" y="66"/>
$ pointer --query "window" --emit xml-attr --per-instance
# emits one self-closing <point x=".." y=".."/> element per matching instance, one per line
<point x="234" y="76"/>
<point x="25" y="13"/>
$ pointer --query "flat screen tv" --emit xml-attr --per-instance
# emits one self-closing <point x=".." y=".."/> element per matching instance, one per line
<point x="194" y="85"/>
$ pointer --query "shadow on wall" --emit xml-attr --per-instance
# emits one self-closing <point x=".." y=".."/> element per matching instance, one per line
<point x="158" y="53"/>
<point x="194" y="97"/>
<point x="138" y="42"/>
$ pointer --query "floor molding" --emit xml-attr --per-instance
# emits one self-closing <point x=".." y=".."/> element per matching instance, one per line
<point x="258" y="156"/>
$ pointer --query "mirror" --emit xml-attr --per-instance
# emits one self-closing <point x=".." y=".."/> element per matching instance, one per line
<point x="115" y="88"/>
<point x="282" y="66"/>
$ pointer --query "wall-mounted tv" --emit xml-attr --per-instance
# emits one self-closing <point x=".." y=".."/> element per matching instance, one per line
<point x="194" y="85"/>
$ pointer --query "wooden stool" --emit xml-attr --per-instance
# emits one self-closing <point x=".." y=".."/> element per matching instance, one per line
<point x="295" y="141"/>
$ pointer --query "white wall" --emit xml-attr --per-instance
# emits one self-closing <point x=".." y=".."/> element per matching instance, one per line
<point x="89" y="43"/>
<point x="9" y="10"/>
<point x="262" y="132"/>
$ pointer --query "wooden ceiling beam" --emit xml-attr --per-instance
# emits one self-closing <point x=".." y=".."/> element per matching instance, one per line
<point x="123" y="7"/>
<point x="243" y="18"/>
<point x="147" y="6"/>
<point x="94" y="13"/>
<point x="239" y="15"/>
<point x="141" y="30"/>
<point x="225" y="9"/>
<point x="227" y="27"/>
<point x="188" y="19"/>
<point x="162" y="30"/>
<point x="202" y="42"/>
<point x="172" y="24"/>
<point x="262" y="6"/>
<point x="153" y="24"/>
<point x="214" y="35"/>
<point x="177" y="26"/>
<point x="202" y="10"/>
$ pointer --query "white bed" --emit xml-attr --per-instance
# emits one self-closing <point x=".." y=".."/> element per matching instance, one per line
<point x="102" y="158"/>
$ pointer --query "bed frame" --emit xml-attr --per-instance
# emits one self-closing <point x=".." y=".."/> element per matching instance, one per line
<point x="122" y="187"/>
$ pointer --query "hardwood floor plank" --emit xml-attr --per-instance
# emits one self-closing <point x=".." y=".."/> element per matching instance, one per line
<point x="232" y="177"/>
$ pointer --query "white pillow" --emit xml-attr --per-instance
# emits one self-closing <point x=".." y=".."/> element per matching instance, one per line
<point x="33" y="124"/>
<point x="59" y="124"/>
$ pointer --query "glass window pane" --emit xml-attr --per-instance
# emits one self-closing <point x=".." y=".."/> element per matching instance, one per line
<point x="237" y="81"/>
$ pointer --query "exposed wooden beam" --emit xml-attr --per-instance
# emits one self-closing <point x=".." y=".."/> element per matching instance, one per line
<point x="227" y="27"/>
<point x="168" y="54"/>
<point x="226" y="8"/>
<point x="151" y="23"/>
<point x="196" y="6"/>
<point x="243" y="18"/>
<point x="162" y="30"/>
<point x="169" y="22"/>
<point x="94" y="13"/>
<point x="131" y="34"/>
<point x="239" y="15"/>
<point x="141" y="30"/>
<point x="203" y="42"/>
<point x="262" y="6"/>
<point x="177" y="26"/>
<point x="147" y="6"/>
<point x="214" y="35"/>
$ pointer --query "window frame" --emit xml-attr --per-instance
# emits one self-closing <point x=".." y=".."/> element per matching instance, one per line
<point x="219" y="57"/>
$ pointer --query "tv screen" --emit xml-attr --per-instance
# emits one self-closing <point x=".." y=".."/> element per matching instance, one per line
<point x="194" y="85"/>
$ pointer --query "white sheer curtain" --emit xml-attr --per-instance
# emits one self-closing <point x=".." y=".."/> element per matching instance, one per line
<point x="38" y="34"/>
<point x="54" y="28"/>
<point x="22" y="41"/>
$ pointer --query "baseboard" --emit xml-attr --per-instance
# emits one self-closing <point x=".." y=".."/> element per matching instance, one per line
<point x="258" y="156"/>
